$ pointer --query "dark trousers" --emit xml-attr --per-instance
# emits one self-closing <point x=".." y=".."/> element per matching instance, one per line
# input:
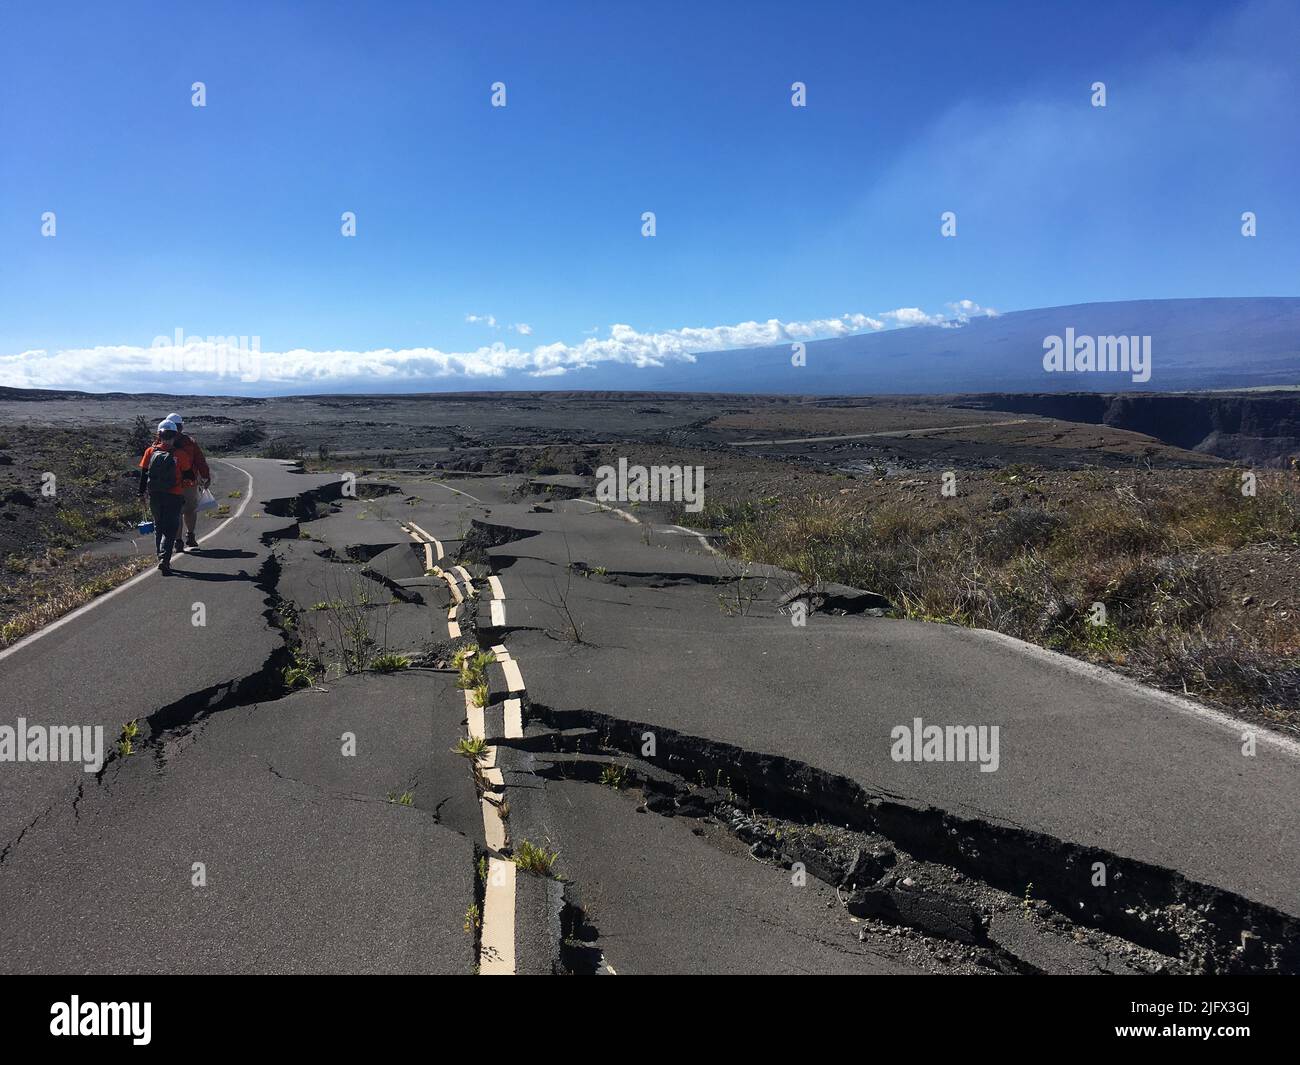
<point x="166" y="510"/>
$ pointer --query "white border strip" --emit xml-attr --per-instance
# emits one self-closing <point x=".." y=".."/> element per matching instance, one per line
<point x="1263" y="734"/>
<point x="613" y="510"/>
<point x="699" y="536"/>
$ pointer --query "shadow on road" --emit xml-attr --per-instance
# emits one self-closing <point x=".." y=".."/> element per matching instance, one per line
<point x="215" y="577"/>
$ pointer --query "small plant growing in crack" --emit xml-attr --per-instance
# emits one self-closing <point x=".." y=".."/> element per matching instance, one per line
<point x="740" y="594"/>
<point x="482" y="867"/>
<point x="471" y="747"/>
<point x="353" y="625"/>
<point x="472" y="665"/>
<point x="473" y="918"/>
<point x="462" y="652"/>
<point x="481" y="694"/>
<point x="302" y="671"/>
<point x="1027" y="906"/>
<point x="614" y="776"/>
<point x="406" y="798"/>
<point x="559" y="601"/>
<point x="390" y="663"/>
<point x="533" y="859"/>
<point x="126" y="742"/>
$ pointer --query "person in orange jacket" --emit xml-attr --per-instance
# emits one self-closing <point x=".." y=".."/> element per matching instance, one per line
<point x="198" y="477"/>
<point x="162" y="478"/>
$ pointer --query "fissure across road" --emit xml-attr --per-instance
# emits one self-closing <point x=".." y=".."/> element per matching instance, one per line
<point x="605" y="634"/>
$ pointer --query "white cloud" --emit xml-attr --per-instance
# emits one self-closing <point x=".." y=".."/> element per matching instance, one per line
<point x="912" y="316"/>
<point x="219" y="363"/>
<point x="964" y="309"/>
<point x="490" y="320"/>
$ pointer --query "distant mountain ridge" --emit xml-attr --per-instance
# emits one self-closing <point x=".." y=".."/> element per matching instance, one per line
<point x="1195" y="344"/>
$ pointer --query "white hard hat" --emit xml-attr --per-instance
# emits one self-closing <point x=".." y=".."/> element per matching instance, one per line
<point x="168" y="426"/>
<point x="174" y="417"/>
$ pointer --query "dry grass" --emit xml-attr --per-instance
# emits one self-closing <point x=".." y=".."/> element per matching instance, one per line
<point x="47" y="593"/>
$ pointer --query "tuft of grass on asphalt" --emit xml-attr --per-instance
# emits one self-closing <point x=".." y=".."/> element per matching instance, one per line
<point x="389" y="663"/>
<point x="471" y="747"/>
<point x="533" y="859"/>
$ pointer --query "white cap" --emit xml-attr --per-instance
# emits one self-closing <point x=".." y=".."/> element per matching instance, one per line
<point x="174" y="417"/>
<point x="168" y="426"/>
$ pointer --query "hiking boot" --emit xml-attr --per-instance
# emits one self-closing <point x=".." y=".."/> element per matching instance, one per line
<point x="190" y="541"/>
<point x="178" y="547"/>
<point x="164" y="567"/>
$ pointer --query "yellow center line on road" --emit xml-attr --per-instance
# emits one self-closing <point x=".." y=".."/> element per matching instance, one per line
<point x="497" y="934"/>
<point x="474" y="722"/>
<point x="514" y="719"/>
<point x="514" y="679"/>
<point x="497" y="950"/>
<point x="429" y="538"/>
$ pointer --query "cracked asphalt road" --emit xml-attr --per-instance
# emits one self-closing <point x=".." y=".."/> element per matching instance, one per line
<point x="1085" y="756"/>
<point x="310" y="868"/>
<point x="307" y="865"/>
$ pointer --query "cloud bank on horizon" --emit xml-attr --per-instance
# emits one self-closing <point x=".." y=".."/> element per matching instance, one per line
<point x="226" y="364"/>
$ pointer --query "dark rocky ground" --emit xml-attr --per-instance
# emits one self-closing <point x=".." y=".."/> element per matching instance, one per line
<point x="403" y="425"/>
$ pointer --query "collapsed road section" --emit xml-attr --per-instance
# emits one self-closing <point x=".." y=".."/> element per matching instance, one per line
<point x="427" y="729"/>
<point x="975" y="894"/>
<point x="661" y="674"/>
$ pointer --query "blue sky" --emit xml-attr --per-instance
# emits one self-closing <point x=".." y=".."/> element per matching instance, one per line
<point x="225" y="220"/>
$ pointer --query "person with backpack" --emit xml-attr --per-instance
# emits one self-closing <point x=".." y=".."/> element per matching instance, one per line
<point x="162" y="478"/>
<point x="199" y="476"/>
